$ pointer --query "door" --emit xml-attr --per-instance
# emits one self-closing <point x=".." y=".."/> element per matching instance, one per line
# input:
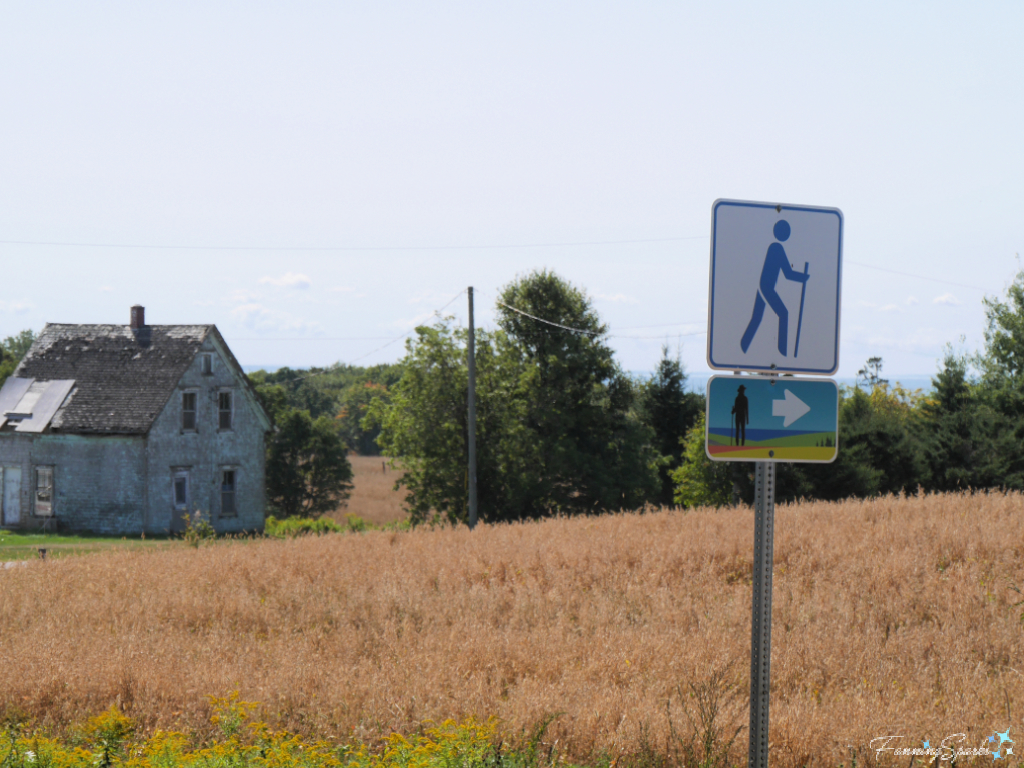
<point x="12" y="495"/>
<point x="181" y="495"/>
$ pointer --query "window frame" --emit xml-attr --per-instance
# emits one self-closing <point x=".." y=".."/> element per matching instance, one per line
<point x="206" y="363"/>
<point x="50" y="468"/>
<point x="194" y="411"/>
<point x="181" y="473"/>
<point x="230" y="411"/>
<point x="233" y="493"/>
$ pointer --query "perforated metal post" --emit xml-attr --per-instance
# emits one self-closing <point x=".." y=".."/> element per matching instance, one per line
<point x="761" y="613"/>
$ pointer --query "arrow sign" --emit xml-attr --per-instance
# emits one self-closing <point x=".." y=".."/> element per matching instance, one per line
<point x="761" y="418"/>
<point x="790" y="408"/>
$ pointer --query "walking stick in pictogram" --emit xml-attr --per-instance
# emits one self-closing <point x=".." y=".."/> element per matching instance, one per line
<point x="800" y="319"/>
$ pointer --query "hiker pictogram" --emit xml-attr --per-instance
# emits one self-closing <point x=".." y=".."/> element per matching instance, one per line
<point x="740" y="416"/>
<point x="776" y="263"/>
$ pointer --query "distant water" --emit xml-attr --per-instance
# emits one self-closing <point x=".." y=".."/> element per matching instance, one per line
<point x="698" y="382"/>
<point x="267" y="368"/>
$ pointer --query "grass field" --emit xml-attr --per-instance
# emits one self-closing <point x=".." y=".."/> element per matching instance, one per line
<point x="15" y="545"/>
<point x="373" y="496"/>
<point x="893" y="616"/>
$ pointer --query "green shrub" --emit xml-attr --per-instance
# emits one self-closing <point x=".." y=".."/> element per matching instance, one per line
<point x="197" y="530"/>
<point x="291" y="527"/>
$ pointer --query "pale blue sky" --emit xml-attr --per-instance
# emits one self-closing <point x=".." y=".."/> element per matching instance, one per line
<point x="370" y="125"/>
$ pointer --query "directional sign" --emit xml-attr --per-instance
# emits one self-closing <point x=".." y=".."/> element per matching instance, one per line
<point x="776" y="277"/>
<point x="760" y="418"/>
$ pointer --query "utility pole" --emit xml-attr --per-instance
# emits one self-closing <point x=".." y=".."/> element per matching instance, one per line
<point x="471" y="361"/>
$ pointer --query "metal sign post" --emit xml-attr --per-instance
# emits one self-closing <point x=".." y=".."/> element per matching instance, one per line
<point x="761" y="612"/>
<point x="755" y="289"/>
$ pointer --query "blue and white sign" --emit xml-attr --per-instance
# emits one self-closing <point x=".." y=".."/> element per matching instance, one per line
<point x="776" y="280"/>
<point x="769" y="418"/>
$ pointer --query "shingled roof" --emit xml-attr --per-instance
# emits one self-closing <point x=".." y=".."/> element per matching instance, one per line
<point x="123" y="376"/>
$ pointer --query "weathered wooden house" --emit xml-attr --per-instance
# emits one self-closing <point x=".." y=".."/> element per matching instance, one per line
<point x="123" y="429"/>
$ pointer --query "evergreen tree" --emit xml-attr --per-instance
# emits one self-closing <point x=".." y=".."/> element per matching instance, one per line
<point x="671" y="412"/>
<point x="962" y="450"/>
<point x="1001" y="386"/>
<point x="308" y="473"/>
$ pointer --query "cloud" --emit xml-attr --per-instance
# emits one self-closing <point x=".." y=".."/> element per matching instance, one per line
<point x="948" y="299"/>
<point x="288" y="280"/>
<point x="341" y="289"/>
<point x="16" y="307"/>
<point x="616" y="298"/>
<point x="889" y="308"/>
<point x="261" y="319"/>
<point x="243" y="296"/>
<point x="912" y="300"/>
<point x="106" y="289"/>
<point x="924" y="341"/>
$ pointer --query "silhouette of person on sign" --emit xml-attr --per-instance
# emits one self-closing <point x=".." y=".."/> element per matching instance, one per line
<point x="775" y="263"/>
<point x="741" y="415"/>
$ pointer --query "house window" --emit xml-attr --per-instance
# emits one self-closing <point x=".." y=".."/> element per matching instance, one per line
<point x="188" y="410"/>
<point x="224" y="403"/>
<point x="227" y="492"/>
<point x="181" y="489"/>
<point x="206" y="363"/>
<point x="44" y="492"/>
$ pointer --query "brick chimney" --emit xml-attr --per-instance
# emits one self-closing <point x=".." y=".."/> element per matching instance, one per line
<point x="138" y="317"/>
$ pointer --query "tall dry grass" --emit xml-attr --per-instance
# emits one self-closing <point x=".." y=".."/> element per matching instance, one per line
<point x="374" y="497"/>
<point x="892" y="616"/>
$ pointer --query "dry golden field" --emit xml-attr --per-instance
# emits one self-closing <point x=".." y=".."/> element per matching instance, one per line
<point x="374" y="497"/>
<point x="892" y="617"/>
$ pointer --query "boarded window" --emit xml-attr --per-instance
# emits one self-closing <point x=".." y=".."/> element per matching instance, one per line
<point x="44" y="492"/>
<point x="224" y="408"/>
<point x="188" y="410"/>
<point x="181" y="490"/>
<point x="227" y="492"/>
<point x="207" y="364"/>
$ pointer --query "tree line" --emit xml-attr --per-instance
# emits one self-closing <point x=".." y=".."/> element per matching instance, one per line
<point x="562" y="429"/>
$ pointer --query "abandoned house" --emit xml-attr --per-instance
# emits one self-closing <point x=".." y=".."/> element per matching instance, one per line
<point x="124" y="429"/>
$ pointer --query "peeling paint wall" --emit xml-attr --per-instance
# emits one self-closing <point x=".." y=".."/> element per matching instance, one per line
<point x="98" y="482"/>
<point x="206" y="451"/>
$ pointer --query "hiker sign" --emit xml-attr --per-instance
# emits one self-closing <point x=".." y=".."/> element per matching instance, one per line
<point x="761" y="418"/>
<point x="776" y="278"/>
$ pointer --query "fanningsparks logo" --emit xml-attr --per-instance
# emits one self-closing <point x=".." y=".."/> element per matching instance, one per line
<point x="998" y="746"/>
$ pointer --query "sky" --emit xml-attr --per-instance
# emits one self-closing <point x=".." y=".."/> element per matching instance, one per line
<point x="319" y="178"/>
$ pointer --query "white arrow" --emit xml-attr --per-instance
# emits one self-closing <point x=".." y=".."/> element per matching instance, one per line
<point x="792" y="408"/>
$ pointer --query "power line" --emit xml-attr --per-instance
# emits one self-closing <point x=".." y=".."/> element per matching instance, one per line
<point x="310" y="338"/>
<point x="919" y="277"/>
<point x="548" y="322"/>
<point x="352" y="248"/>
<point x="663" y="336"/>
<point x="400" y="248"/>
